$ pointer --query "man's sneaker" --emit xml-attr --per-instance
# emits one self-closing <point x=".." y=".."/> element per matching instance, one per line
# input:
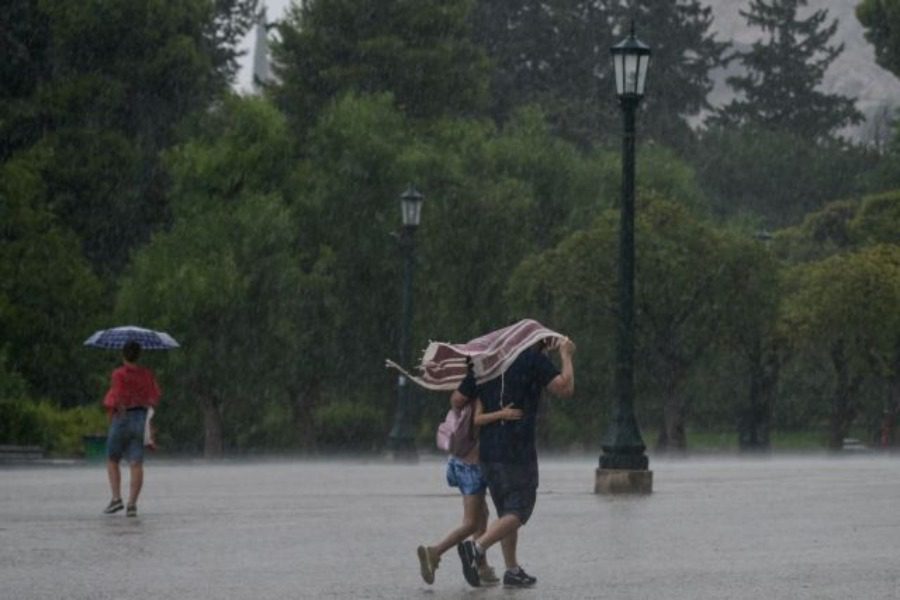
<point x="428" y="562"/>
<point x="468" y="554"/>
<point x="131" y="511"/>
<point x="518" y="578"/>
<point x="114" y="506"/>
<point x="487" y="575"/>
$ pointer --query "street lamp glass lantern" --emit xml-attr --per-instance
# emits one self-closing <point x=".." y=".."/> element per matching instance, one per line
<point x="411" y="206"/>
<point x="631" y="57"/>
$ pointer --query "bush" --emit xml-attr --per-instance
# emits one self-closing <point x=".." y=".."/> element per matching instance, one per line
<point x="350" y="426"/>
<point x="59" y="432"/>
<point x="20" y="423"/>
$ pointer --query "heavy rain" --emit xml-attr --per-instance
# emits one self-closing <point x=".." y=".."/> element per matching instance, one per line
<point x="265" y="263"/>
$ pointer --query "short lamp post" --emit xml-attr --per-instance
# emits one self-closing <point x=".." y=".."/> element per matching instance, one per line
<point x="624" y="464"/>
<point x="401" y="440"/>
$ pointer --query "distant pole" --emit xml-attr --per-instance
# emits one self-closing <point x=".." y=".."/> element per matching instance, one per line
<point x="623" y="464"/>
<point x="402" y="439"/>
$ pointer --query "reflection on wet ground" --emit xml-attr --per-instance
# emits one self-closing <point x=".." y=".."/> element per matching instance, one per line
<point x="804" y="527"/>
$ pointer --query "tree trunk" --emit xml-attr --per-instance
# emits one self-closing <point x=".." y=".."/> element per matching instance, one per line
<point x="887" y="434"/>
<point x="213" y="438"/>
<point x="672" y="435"/>
<point x="305" y="402"/>
<point x="843" y="404"/>
<point x="754" y="420"/>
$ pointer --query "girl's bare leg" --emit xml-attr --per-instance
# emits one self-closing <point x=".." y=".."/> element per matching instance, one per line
<point x="474" y="512"/>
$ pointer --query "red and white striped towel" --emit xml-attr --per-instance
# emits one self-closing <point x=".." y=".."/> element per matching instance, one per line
<point x="443" y="365"/>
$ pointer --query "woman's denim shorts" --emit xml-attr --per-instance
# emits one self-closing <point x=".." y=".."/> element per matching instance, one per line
<point x="126" y="436"/>
<point x="466" y="477"/>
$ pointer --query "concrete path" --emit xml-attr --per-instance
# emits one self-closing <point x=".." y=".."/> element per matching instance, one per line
<point x="780" y="528"/>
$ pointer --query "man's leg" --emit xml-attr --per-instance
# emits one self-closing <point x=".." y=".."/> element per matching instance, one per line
<point x="115" y="478"/>
<point x="137" y="481"/>
<point x="114" y="474"/>
<point x="518" y="506"/>
<point x="508" y="545"/>
<point x="501" y="528"/>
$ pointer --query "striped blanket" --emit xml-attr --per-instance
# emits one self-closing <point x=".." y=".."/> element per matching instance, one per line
<point x="444" y="365"/>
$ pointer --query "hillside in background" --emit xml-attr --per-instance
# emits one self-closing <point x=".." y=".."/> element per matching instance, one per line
<point x="854" y="73"/>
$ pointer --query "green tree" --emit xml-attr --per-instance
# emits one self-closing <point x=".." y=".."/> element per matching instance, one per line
<point x="780" y="88"/>
<point x="881" y="20"/>
<point x="101" y="103"/>
<point x="684" y="301"/>
<point x="418" y="51"/>
<point x="25" y="45"/>
<point x="776" y="177"/>
<point x="346" y="202"/>
<point x="840" y="227"/>
<point x="877" y="220"/>
<point x="492" y="197"/>
<point x="752" y="334"/>
<point x="228" y="280"/>
<point x="556" y="54"/>
<point x="842" y="311"/>
<point x="549" y="54"/>
<point x="49" y="298"/>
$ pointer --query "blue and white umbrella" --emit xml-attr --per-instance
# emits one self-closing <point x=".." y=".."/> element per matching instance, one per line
<point x="117" y="337"/>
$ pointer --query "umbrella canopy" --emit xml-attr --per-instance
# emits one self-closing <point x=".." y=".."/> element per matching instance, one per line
<point x="117" y="337"/>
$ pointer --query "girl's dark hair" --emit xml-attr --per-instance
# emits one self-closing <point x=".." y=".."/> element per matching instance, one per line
<point x="131" y="351"/>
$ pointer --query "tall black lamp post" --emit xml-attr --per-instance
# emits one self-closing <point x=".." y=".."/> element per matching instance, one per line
<point x="623" y="464"/>
<point x="401" y="440"/>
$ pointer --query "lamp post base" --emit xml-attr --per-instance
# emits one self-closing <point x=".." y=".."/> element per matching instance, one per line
<point x="623" y="481"/>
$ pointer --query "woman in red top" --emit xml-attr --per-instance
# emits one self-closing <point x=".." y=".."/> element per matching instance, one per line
<point x="133" y="391"/>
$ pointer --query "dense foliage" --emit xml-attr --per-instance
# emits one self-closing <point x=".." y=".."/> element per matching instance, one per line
<point x="261" y="231"/>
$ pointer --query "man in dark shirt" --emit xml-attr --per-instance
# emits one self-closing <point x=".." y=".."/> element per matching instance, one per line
<point x="505" y="412"/>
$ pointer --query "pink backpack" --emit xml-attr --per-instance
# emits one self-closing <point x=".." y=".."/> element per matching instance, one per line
<point x="456" y="434"/>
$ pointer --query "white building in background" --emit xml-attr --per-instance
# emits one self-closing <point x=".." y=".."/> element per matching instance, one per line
<point x="256" y="62"/>
<point x="262" y="60"/>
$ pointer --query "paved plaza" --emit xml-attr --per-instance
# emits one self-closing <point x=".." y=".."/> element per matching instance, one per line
<point x="795" y="528"/>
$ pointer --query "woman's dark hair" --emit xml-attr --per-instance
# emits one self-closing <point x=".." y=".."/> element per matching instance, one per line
<point x="131" y="351"/>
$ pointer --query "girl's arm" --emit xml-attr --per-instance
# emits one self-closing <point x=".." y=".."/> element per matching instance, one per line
<point x="507" y="413"/>
<point x="458" y="399"/>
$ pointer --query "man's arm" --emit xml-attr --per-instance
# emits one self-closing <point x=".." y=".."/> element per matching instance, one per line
<point x="563" y="385"/>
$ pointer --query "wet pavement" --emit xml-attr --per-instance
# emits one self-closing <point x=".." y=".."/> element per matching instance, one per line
<point x="776" y="528"/>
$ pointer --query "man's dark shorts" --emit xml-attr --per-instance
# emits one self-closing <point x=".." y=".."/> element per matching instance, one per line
<point x="513" y="488"/>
